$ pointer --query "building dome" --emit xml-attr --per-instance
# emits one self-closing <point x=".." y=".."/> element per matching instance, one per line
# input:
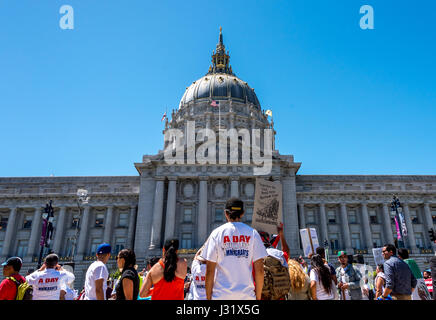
<point x="220" y="83"/>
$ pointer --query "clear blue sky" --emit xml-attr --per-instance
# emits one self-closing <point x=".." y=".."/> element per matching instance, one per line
<point x="89" y="101"/>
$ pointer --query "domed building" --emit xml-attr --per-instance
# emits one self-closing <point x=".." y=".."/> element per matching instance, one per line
<point x="185" y="198"/>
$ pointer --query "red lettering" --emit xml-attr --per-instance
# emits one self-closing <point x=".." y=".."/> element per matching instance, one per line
<point x="226" y="239"/>
<point x="235" y="238"/>
<point x="40" y="281"/>
<point x="241" y="238"/>
<point x="247" y="239"/>
<point x="203" y="278"/>
<point x="197" y="278"/>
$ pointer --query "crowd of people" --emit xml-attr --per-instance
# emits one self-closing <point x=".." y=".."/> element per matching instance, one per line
<point x="235" y="263"/>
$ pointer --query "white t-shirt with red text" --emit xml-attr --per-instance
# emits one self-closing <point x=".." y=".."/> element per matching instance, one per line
<point x="47" y="284"/>
<point x="234" y="247"/>
<point x="197" y="289"/>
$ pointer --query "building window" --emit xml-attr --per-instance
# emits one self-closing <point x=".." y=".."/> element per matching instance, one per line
<point x="373" y="216"/>
<point x="419" y="240"/>
<point x="187" y="215"/>
<point x="22" y="248"/>
<point x="248" y="214"/>
<point x="331" y="216"/>
<point x="433" y="216"/>
<point x="27" y="222"/>
<point x="186" y="240"/>
<point x="94" y="245"/>
<point x="414" y="216"/>
<point x="376" y="240"/>
<point x="334" y="241"/>
<point x="3" y="223"/>
<point x="310" y="216"/>
<point x="355" y="241"/>
<point x="219" y="215"/>
<point x="119" y="244"/>
<point x="123" y="220"/>
<point x="99" y="220"/>
<point x="352" y="216"/>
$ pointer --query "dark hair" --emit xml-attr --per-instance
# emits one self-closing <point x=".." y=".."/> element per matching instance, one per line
<point x="391" y="247"/>
<point x="153" y="261"/>
<point x="381" y="267"/>
<point x="233" y="215"/>
<point x="323" y="272"/>
<point x="403" y="253"/>
<point x="129" y="258"/>
<point x="320" y="251"/>
<point x="51" y="260"/>
<point x="170" y="259"/>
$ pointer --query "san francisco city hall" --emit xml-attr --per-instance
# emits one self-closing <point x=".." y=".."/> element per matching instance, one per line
<point x="186" y="200"/>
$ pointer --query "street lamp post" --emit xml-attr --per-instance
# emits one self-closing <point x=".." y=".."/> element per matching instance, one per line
<point x="82" y="199"/>
<point x="47" y="217"/>
<point x="397" y="212"/>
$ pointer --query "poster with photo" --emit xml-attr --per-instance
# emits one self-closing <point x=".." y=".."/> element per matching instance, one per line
<point x="309" y="240"/>
<point x="267" y="211"/>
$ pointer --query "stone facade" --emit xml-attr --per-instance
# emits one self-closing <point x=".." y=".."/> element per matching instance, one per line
<point x="187" y="200"/>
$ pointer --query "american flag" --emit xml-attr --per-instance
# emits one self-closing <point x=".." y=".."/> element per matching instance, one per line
<point x="164" y="116"/>
<point x="215" y="103"/>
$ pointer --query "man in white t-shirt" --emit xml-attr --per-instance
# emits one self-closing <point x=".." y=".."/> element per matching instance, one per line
<point x="231" y="252"/>
<point x="48" y="281"/>
<point x="97" y="275"/>
<point x="197" y="287"/>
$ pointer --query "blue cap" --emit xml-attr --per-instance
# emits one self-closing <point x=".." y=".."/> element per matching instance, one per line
<point x="104" y="248"/>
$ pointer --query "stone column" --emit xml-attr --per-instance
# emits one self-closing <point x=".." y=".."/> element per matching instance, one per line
<point x="428" y="223"/>
<point x="108" y="224"/>
<point x="301" y="216"/>
<point x="323" y="220"/>
<point x="131" y="229"/>
<point x="290" y="214"/>
<point x="10" y="232"/>
<point x="59" y="231"/>
<point x="157" y="214"/>
<point x="35" y="235"/>
<point x="144" y="216"/>
<point x="202" y="211"/>
<point x="83" y="233"/>
<point x="410" y="233"/>
<point x="366" y="227"/>
<point x="171" y="208"/>
<point x="389" y="236"/>
<point x="346" y="229"/>
<point x="234" y="187"/>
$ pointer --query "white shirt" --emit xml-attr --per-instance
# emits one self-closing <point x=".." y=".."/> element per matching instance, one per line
<point x="321" y="293"/>
<point x="234" y="246"/>
<point x="47" y="284"/>
<point x="197" y="289"/>
<point x="97" y="270"/>
<point x="344" y="280"/>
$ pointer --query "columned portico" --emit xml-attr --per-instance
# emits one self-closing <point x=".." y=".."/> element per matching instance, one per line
<point x="323" y="227"/>
<point x="83" y="235"/>
<point x="202" y="211"/>
<point x="291" y="229"/>
<point x="366" y="228"/>
<point x="346" y="229"/>
<point x="171" y="208"/>
<point x="234" y="187"/>
<point x="410" y="234"/>
<point x="10" y="231"/>
<point x="302" y="218"/>
<point x="157" y="214"/>
<point x="59" y="230"/>
<point x="34" y="235"/>
<point x="389" y="236"/>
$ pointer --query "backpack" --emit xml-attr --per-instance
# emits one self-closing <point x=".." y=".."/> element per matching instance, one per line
<point x="24" y="290"/>
<point x="277" y="283"/>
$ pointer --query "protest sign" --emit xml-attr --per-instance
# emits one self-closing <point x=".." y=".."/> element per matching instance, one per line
<point x="267" y="211"/>
<point x="309" y="240"/>
<point x="378" y="256"/>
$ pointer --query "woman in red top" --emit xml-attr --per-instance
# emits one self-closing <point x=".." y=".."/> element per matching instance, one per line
<point x="168" y="276"/>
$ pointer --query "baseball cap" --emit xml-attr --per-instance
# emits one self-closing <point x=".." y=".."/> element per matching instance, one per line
<point x="235" y="205"/>
<point x="104" y="248"/>
<point x="15" y="262"/>
<point x="341" y="253"/>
